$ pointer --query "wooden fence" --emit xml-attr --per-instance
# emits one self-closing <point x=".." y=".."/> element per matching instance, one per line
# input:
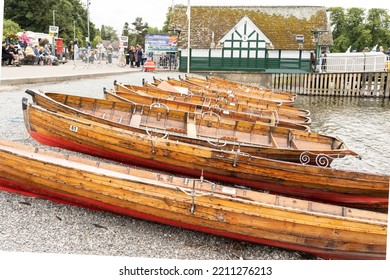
<point x="334" y="84"/>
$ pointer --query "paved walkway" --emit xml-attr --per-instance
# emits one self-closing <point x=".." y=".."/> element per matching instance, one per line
<point x="28" y="74"/>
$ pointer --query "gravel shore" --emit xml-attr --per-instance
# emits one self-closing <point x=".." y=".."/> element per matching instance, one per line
<point x="36" y="225"/>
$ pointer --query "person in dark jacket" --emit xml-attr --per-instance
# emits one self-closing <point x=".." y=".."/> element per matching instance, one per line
<point x="5" y="55"/>
<point x="139" y="55"/>
<point x="131" y="56"/>
<point x="12" y="53"/>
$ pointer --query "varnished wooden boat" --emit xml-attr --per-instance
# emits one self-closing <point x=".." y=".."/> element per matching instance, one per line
<point x="237" y="96"/>
<point x="243" y="86"/>
<point x="177" y="89"/>
<point x="238" y="89"/>
<point x="206" y="128"/>
<point x="326" y="231"/>
<point x="348" y="188"/>
<point x="271" y="116"/>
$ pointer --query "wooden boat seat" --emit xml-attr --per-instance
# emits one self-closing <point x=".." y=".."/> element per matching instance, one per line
<point x="136" y="120"/>
<point x="293" y="145"/>
<point x="191" y="130"/>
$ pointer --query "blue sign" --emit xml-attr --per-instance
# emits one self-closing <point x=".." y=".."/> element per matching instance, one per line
<point x="160" y="43"/>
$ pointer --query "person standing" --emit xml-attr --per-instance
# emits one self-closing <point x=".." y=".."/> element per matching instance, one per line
<point x="88" y="54"/>
<point x="121" y="55"/>
<point x="323" y="61"/>
<point x="76" y="49"/>
<point x="110" y="51"/>
<point x="138" y="55"/>
<point x="131" y="56"/>
<point x="100" y="50"/>
<point x="128" y="56"/>
<point x="71" y="50"/>
<point x="25" y="40"/>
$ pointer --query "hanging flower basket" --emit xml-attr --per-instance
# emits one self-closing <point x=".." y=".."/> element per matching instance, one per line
<point x="11" y="38"/>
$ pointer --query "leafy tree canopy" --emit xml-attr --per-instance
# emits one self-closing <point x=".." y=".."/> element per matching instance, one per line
<point x="359" y="28"/>
<point x="69" y="15"/>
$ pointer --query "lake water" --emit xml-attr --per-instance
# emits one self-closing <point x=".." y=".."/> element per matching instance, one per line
<point x="363" y="123"/>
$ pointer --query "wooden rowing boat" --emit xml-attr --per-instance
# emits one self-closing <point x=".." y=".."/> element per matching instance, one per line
<point x="243" y="86"/>
<point x="176" y="90"/>
<point x="327" y="231"/>
<point x="348" y="188"/>
<point x="245" y="98"/>
<point x="284" y="98"/>
<point x="239" y="90"/>
<point x="139" y="94"/>
<point x="267" y="117"/>
<point x="206" y="128"/>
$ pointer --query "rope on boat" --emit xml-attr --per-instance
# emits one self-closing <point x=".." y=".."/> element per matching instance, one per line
<point x="211" y="113"/>
<point x="159" y="105"/>
<point x="154" y="138"/>
<point x="216" y="144"/>
<point x="192" y="194"/>
<point x="195" y="193"/>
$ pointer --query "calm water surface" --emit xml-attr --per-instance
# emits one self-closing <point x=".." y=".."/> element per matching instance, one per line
<point x="363" y="123"/>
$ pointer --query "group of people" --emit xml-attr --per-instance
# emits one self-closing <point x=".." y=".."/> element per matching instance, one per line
<point x="132" y="56"/>
<point x="10" y="54"/>
<point x="135" y="56"/>
<point x="25" y="51"/>
<point x="39" y="55"/>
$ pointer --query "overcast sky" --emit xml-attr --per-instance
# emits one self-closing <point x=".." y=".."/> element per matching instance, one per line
<point x="116" y="12"/>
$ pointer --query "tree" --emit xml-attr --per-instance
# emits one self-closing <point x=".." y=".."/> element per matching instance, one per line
<point x="167" y="21"/>
<point x="154" y="30"/>
<point x="378" y="25"/>
<point x="96" y="40"/>
<point x="10" y="27"/>
<point x="108" y="33"/>
<point x="355" y="25"/>
<point x="139" y="31"/>
<point x="103" y="32"/>
<point x="359" y="29"/>
<point x="337" y="21"/>
<point x="126" y="29"/>
<point x="38" y="16"/>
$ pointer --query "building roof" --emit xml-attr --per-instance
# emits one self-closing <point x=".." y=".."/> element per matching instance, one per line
<point x="280" y="24"/>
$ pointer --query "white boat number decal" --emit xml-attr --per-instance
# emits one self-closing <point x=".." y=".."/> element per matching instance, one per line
<point x="73" y="128"/>
<point x="228" y="190"/>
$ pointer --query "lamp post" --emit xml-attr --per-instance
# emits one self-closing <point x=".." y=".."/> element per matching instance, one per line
<point x="316" y="35"/>
<point x="189" y="36"/>
<point x="53" y="48"/>
<point x="88" y="3"/>
<point x="74" y="30"/>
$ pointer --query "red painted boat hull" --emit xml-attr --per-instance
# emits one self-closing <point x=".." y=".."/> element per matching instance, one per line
<point x="357" y="201"/>
<point x="36" y="191"/>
